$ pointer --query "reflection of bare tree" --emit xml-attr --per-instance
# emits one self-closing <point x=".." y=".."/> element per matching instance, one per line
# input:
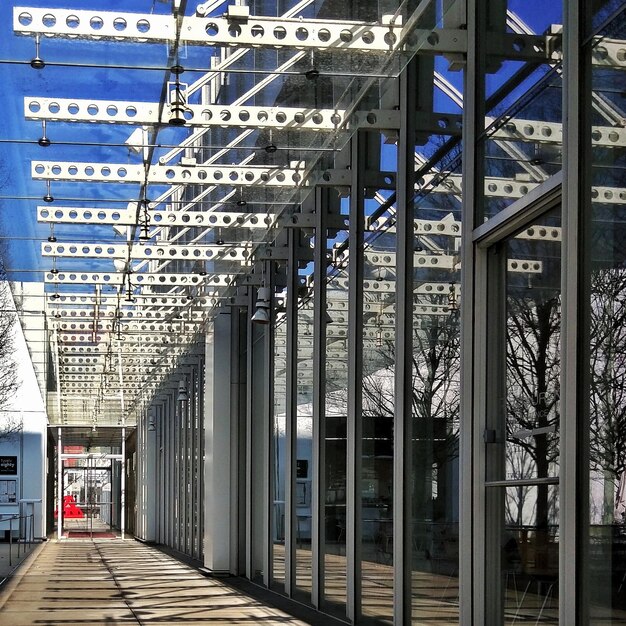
<point x="436" y="363"/>
<point x="10" y="423"/>
<point x="608" y="369"/>
<point x="532" y="392"/>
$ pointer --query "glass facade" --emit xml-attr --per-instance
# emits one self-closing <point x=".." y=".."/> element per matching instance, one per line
<point x="606" y="538"/>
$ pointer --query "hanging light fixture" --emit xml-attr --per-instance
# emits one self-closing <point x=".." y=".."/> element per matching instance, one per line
<point x="183" y="396"/>
<point x="263" y="303"/>
<point x="43" y="141"/>
<point x="178" y="101"/>
<point x="37" y="63"/>
<point x="129" y="292"/>
<point x="48" y="197"/>
<point x="144" y="234"/>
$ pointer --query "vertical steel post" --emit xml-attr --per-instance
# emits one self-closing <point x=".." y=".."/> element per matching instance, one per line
<point x="291" y="411"/>
<point x="123" y="434"/>
<point x="574" y="453"/>
<point x="268" y="443"/>
<point x="123" y="485"/>
<point x="249" y="570"/>
<point x="355" y="379"/>
<point x="318" y="485"/>
<point x="403" y="401"/>
<point x="59" y="483"/>
<point x="473" y="337"/>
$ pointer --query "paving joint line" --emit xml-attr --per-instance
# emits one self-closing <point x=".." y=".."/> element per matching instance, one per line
<point x="117" y="585"/>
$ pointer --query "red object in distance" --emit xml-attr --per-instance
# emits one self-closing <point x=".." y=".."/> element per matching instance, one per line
<point x="70" y="509"/>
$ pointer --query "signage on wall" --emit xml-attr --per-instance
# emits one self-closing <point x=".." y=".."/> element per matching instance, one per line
<point x="8" y="465"/>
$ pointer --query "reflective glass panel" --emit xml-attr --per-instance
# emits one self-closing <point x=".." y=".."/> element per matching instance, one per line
<point x="378" y="403"/>
<point x="606" y="573"/>
<point x="522" y="438"/>
<point x="435" y="402"/>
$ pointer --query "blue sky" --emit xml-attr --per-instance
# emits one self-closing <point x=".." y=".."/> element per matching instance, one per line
<point x="19" y="194"/>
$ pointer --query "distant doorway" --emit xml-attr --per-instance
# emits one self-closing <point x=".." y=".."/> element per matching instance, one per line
<point x="89" y="511"/>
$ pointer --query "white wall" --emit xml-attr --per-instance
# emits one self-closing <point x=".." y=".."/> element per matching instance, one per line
<point x="29" y="445"/>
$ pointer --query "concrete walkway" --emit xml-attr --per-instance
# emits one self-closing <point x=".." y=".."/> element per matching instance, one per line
<point x="82" y="582"/>
<point x="12" y="555"/>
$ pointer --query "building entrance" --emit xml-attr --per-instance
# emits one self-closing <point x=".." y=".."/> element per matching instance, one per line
<point x="88" y="509"/>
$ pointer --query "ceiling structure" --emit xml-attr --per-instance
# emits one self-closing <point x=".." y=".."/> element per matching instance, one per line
<point x="168" y="148"/>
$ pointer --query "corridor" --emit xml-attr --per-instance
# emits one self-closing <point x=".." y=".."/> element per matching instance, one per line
<point x="123" y="582"/>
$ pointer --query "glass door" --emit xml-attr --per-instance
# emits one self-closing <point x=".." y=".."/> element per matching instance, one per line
<point x="521" y="437"/>
<point x="87" y="503"/>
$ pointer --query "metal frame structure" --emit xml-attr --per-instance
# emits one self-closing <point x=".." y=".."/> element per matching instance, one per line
<point x="328" y="160"/>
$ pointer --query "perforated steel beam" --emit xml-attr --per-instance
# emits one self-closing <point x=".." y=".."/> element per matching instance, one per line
<point x="201" y="115"/>
<point x="141" y="300"/>
<point x="184" y="219"/>
<point x="239" y="31"/>
<point x="76" y="323"/>
<point x="447" y="262"/>
<point x="388" y="287"/>
<point x="450" y="227"/>
<point x="159" y="252"/>
<point x="510" y="188"/>
<point x="128" y="217"/>
<point x="251" y="175"/>
<point x="552" y="133"/>
<point x="138" y="279"/>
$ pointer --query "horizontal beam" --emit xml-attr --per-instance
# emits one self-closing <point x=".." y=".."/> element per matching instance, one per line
<point x="138" y="279"/>
<point x="386" y="286"/>
<point x="141" y="300"/>
<point x="198" y="115"/>
<point x="128" y="217"/>
<point x="83" y="330"/>
<point x="182" y="219"/>
<point x="238" y="31"/>
<point x="157" y="252"/>
<point x="246" y="176"/>
<point x="450" y="227"/>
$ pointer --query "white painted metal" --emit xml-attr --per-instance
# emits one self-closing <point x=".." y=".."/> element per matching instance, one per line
<point x="255" y="31"/>
<point x="199" y="115"/>
<point x="149" y="251"/>
<point x="139" y="279"/>
<point x="145" y="300"/>
<point x="252" y="175"/>
<point x="128" y="217"/>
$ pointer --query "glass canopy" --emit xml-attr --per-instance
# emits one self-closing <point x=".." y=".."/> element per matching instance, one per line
<point x="153" y="150"/>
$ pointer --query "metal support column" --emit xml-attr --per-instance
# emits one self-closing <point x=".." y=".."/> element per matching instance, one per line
<point x="291" y="411"/>
<point x="249" y="469"/>
<point x="355" y="380"/>
<point x="268" y="443"/>
<point x="123" y="485"/>
<point x="472" y="504"/>
<point x="123" y="460"/>
<point x="59" y="483"/>
<point x="403" y="401"/>
<point x="574" y="454"/>
<point x="217" y="423"/>
<point x="318" y="498"/>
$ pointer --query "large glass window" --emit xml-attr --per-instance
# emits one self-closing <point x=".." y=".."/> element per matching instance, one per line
<point x="279" y="475"/>
<point x="522" y="435"/>
<point x="607" y="291"/>
<point x="435" y="402"/>
<point x="335" y="412"/>
<point x="522" y="139"/>
<point x="304" y="448"/>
